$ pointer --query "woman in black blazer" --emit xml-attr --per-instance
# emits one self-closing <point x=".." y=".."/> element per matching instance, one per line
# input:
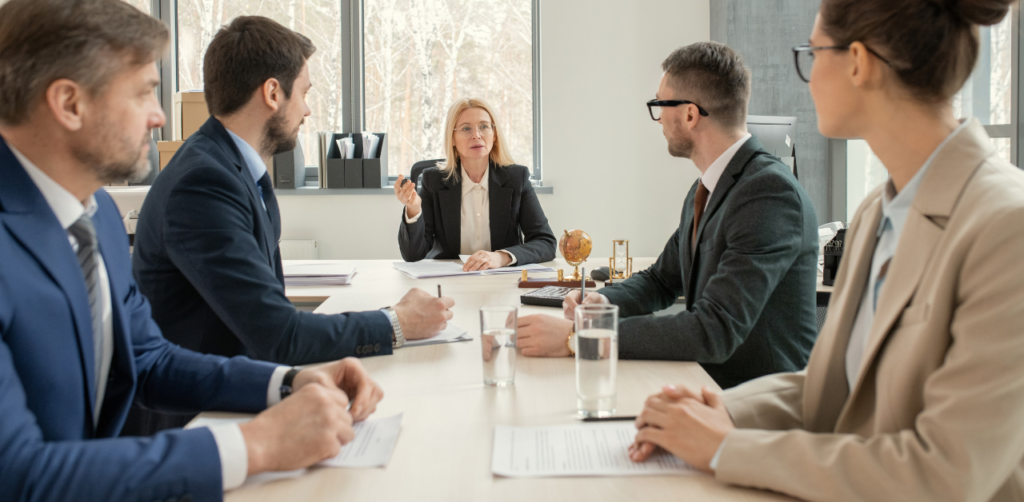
<point x="476" y="202"/>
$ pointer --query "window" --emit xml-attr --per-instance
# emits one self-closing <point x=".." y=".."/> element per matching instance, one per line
<point x="143" y="5"/>
<point x="987" y="95"/>
<point x="422" y="55"/>
<point x="320" y="20"/>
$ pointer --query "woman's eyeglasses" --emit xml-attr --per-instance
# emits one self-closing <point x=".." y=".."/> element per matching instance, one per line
<point x="467" y="130"/>
<point x="804" y="57"/>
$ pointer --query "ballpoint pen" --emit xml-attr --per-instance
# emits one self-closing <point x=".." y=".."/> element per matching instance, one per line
<point x="608" y="419"/>
<point x="439" y="291"/>
<point x="583" y="284"/>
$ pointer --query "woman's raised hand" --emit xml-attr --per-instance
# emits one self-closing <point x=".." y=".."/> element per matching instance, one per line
<point x="406" y="193"/>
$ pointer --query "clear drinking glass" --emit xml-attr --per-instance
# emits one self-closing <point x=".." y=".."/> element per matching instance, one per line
<point x="597" y="357"/>
<point x="498" y="342"/>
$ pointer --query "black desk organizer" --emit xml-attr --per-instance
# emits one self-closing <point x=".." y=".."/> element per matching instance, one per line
<point x="357" y="172"/>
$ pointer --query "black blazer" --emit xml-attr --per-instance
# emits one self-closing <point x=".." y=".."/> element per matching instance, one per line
<point x="515" y="214"/>
<point x="749" y="285"/>
<point x="207" y="257"/>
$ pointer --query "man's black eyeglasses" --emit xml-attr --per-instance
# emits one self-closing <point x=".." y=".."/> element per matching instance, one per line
<point x="803" y="55"/>
<point x="655" y="103"/>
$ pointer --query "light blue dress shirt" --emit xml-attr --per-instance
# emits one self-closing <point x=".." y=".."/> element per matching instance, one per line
<point x="253" y="162"/>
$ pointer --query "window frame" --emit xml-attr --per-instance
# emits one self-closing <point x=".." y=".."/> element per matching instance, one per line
<point x="353" y="70"/>
<point x="1013" y="131"/>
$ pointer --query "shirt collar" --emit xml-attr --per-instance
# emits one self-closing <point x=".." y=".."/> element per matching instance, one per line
<point x="253" y="161"/>
<point x="714" y="171"/>
<point x="896" y="206"/>
<point x="64" y="205"/>
<point x="467" y="184"/>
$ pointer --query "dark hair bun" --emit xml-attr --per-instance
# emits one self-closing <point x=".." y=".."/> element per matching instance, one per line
<point x="981" y="12"/>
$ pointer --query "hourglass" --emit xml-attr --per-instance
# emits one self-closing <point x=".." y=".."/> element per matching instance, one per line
<point x="620" y="265"/>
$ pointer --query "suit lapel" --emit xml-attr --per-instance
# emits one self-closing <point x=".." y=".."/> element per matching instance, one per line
<point x="216" y="131"/>
<point x="832" y="391"/>
<point x="121" y="384"/>
<point x="450" y="200"/>
<point x="30" y="220"/>
<point x="933" y="205"/>
<point x="500" y="207"/>
<point x="729" y="176"/>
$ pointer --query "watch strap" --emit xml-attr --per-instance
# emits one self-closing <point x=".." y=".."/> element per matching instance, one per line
<point x="286" y="383"/>
<point x="397" y="339"/>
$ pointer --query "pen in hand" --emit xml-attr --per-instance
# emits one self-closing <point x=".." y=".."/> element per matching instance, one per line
<point x="583" y="284"/>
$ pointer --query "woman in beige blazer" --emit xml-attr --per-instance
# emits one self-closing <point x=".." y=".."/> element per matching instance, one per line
<point x="915" y="387"/>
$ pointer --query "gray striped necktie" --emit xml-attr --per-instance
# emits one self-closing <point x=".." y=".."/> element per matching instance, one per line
<point x="88" y="260"/>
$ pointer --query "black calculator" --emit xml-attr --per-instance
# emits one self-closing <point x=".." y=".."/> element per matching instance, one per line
<point x="548" y="296"/>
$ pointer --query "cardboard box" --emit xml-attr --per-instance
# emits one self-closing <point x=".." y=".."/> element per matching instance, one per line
<point x="167" y="150"/>
<point x="190" y="113"/>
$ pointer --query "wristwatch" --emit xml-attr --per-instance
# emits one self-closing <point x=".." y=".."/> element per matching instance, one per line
<point x="286" y="383"/>
<point x="570" y="341"/>
<point x="397" y="338"/>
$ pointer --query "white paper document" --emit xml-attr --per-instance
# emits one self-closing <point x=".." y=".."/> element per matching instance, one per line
<point x="372" y="447"/>
<point x="427" y="269"/>
<point x="450" y="334"/>
<point x="317" y="272"/>
<point x="584" y="449"/>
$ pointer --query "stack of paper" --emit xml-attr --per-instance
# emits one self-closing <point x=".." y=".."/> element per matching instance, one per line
<point x="576" y="450"/>
<point x="427" y="269"/>
<point x="450" y="334"/>
<point x="317" y="273"/>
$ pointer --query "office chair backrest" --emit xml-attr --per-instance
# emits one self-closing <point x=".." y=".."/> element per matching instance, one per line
<point x="417" y="168"/>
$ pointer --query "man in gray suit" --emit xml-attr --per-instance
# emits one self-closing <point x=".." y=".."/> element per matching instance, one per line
<point x="745" y="253"/>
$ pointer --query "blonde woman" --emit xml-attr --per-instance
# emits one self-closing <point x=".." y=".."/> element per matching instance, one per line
<point x="476" y="201"/>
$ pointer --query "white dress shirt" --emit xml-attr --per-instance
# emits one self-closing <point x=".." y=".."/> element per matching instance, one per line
<point x="476" y="216"/>
<point x="234" y="456"/>
<point x="895" y="208"/>
<point x="714" y="172"/>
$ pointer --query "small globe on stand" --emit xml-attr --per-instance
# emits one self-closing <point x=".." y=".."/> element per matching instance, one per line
<point x="575" y="246"/>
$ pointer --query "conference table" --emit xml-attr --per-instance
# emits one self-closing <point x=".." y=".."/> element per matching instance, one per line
<point x="444" y="448"/>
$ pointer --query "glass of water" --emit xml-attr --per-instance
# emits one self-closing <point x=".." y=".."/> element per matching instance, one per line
<point x="597" y="357"/>
<point x="498" y="342"/>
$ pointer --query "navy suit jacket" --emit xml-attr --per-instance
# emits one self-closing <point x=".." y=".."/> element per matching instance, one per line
<point x="206" y="255"/>
<point x="49" y="447"/>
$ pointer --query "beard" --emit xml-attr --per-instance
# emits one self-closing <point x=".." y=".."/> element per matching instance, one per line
<point x="680" y="146"/>
<point x="113" y="157"/>
<point x="276" y="137"/>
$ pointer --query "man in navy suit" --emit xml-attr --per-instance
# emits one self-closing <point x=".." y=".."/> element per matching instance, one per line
<point x="206" y="244"/>
<point x="77" y="344"/>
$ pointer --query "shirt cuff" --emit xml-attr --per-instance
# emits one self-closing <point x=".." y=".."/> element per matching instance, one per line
<point x="718" y="453"/>
<point x="510" y="255"/>
<point x="411" y="220"/>
<point x="234" y="457"/>
<point x="274" y="389"/>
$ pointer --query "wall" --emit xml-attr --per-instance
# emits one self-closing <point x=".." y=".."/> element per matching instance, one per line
<point x="605" y="158"/>
<point x="764" y="32"/>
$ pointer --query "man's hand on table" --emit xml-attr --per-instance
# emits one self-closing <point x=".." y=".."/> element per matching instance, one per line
<point x="350" y="377"/>
<point x="423" y="315"/>
<point x="573" y="299"/>
<point x="314" y="422"/>
<point x="688" y="424"/>
<point x="542" y="335"/>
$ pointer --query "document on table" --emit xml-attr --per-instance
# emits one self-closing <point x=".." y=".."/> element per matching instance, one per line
<point x="450" y="334"/>
<point x="427" y="269"/>
<point x="583" y="449"/>
<point x="317" y="272"/>
<point x="375" y="440"/>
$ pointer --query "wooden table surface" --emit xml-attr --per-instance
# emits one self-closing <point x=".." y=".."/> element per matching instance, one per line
<point x="444" y="449"/>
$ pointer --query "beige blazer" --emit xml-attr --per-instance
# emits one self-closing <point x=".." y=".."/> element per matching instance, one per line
<point x="937" y="412"/>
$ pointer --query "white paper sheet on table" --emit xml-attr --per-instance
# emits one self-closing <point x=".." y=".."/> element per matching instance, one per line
<point x="375" y="441"/>
<point x="584" y="449"/>
<point x="450" y="334"/>
<point x="427" y="269"/>
<point x="317" y="272"/>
